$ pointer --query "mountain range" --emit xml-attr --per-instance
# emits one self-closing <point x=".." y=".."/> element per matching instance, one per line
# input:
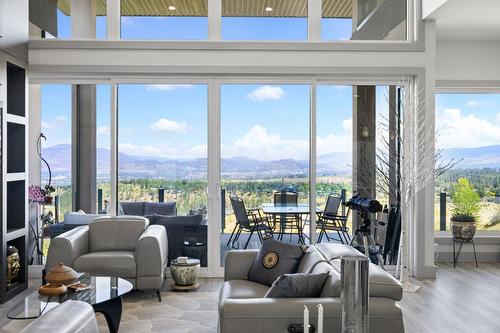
<point x="133" y="166"/>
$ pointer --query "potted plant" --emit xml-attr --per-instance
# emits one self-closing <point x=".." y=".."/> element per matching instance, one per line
<point x="47" y="191"/>
<point x="465" y="209"/>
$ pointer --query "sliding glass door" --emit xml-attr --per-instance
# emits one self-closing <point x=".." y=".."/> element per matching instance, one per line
<point x="162" y="161"/>
<point x="264" y="152"/>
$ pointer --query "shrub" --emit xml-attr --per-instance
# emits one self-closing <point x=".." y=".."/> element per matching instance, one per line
<point x="465" y="201"/>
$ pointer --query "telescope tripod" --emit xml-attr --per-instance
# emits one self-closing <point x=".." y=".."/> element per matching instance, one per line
<point x="364" y="231"/>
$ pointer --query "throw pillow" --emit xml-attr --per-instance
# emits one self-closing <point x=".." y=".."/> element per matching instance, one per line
<point x="275" y="258"/>
<point x="299" y="285"/>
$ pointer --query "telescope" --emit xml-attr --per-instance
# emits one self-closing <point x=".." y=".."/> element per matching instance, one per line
<point x="364" y="205"/>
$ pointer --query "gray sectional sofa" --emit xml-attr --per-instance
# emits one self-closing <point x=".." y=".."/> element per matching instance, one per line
<point x="243" y="308"/>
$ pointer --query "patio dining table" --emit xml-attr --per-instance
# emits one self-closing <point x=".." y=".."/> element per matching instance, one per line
<point x="298" y="210"/>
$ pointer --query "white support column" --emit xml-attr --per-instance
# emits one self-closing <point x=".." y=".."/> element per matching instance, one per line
<point x="113" y="19"/>
<point x="214" y="186"/>
<point x="113" y="158"/>
<point x="314" y="20"/>
<point x="83" y="22"/>
<point x="423" y="238"/>
<point x="312" y="164"/>
<point x="214" y="19"/>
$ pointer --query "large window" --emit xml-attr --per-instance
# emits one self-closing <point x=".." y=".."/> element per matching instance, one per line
<point x="364" y="20"/>
<point x="64" y="29"/>
<point x="162" y="162"/>
<point x="265" y="151"/>
<point x="264" y="20"/>
<point x="174" y="20"/>
<point x="352" y="148"/>
<point x="468" y="132"/>
<point x="56" y="149"/>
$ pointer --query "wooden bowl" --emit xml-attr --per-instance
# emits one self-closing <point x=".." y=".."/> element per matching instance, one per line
<point x="61" y="274"/>
<point x="52" y="289"/>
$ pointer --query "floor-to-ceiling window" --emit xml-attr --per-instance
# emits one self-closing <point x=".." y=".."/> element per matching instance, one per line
<point x="162" y="161"/>
<point x="56" y="147"/>
<point x="264" y="151"/>
<point x="468" y="137"/>
<point x="353" y="146"/>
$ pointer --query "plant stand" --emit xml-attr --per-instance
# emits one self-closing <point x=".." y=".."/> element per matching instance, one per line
<point x="461" y="242"/>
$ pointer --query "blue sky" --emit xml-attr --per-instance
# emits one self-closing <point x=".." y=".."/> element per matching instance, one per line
<point x="467" y="120"/>
<point x="196" y="28"/>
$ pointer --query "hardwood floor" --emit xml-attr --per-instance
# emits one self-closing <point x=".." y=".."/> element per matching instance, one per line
<point x="464" y="299"/>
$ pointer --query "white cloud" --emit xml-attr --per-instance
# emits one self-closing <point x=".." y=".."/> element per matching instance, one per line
<point x="54" y="124"/>
<point x="497" y="118"/>
<point x="166" y="125"/>
<point x="458" y="131"/>
<point x="165" y="150"/>
<point x="260" y="144"/>
<point x="347" y="125"/>
<point x="167" y="87"/>
<point x="266" y="93"/>
<point x="474" y="103"/>
<point x="103" y="130"/>
<point x="143" y="150"/>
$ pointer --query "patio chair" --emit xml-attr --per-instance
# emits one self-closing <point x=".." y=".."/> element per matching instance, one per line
<point x="331" y="220"/>
<point x="249" y="220"/>
<point x="292" y="223"/>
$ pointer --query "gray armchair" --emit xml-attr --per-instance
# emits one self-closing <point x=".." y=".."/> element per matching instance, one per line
<point x="122" y="246"/>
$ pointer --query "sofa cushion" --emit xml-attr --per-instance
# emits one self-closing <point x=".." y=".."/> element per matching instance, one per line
<point x="298" y="285"/>
<point x="160" y="208"/>
<point x="133" y="208"/>
<point x="111" y="263"/>
<point x="242" y="289"/>
<point x="186" y="220"/>
<point x="119" y="233"/>
<point x="311" y="260"/>
<point x="382" y="284"/>
<point x="274" y="259"/>
<point x="332" y="286"/>
<point x="79" y="218"/>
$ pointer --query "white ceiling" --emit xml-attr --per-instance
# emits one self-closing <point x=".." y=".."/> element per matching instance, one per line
<point x="468" y="20"/>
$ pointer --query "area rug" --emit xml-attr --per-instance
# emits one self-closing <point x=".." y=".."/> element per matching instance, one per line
<point x="179" y="312"/>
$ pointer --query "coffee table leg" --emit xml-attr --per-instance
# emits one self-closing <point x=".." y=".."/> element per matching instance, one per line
<point x="112" y="311"/>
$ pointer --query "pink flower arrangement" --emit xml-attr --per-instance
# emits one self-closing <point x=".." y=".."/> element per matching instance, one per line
<point x="36" y="194"/>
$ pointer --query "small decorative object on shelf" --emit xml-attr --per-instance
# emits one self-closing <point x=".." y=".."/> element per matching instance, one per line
<point x="13" y="265"/>
<point x="52" y="289"/>
<point x="465" y="210"/>
<point x="61" y="274"/>
<point x="185" y="273"/>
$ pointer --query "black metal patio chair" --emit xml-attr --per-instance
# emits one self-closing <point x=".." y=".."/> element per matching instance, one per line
<point x="331" y="220"/>
<point x="250" y="220"/>
<point x="288" y="223"/>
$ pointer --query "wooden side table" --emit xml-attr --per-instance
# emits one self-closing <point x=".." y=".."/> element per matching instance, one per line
<point x="185" y="275"/>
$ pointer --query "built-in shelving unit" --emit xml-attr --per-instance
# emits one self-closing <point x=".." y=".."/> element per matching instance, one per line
<point x="13" y="164"/>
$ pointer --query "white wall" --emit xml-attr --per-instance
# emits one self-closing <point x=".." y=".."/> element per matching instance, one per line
<point x="14" y="28"/>
<point x="467" y="61"/>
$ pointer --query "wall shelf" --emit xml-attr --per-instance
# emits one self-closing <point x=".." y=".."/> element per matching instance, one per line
<point x="13" y="166"/>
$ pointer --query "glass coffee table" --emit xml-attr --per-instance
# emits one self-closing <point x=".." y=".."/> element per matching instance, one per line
<point x="105" y="296"/>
